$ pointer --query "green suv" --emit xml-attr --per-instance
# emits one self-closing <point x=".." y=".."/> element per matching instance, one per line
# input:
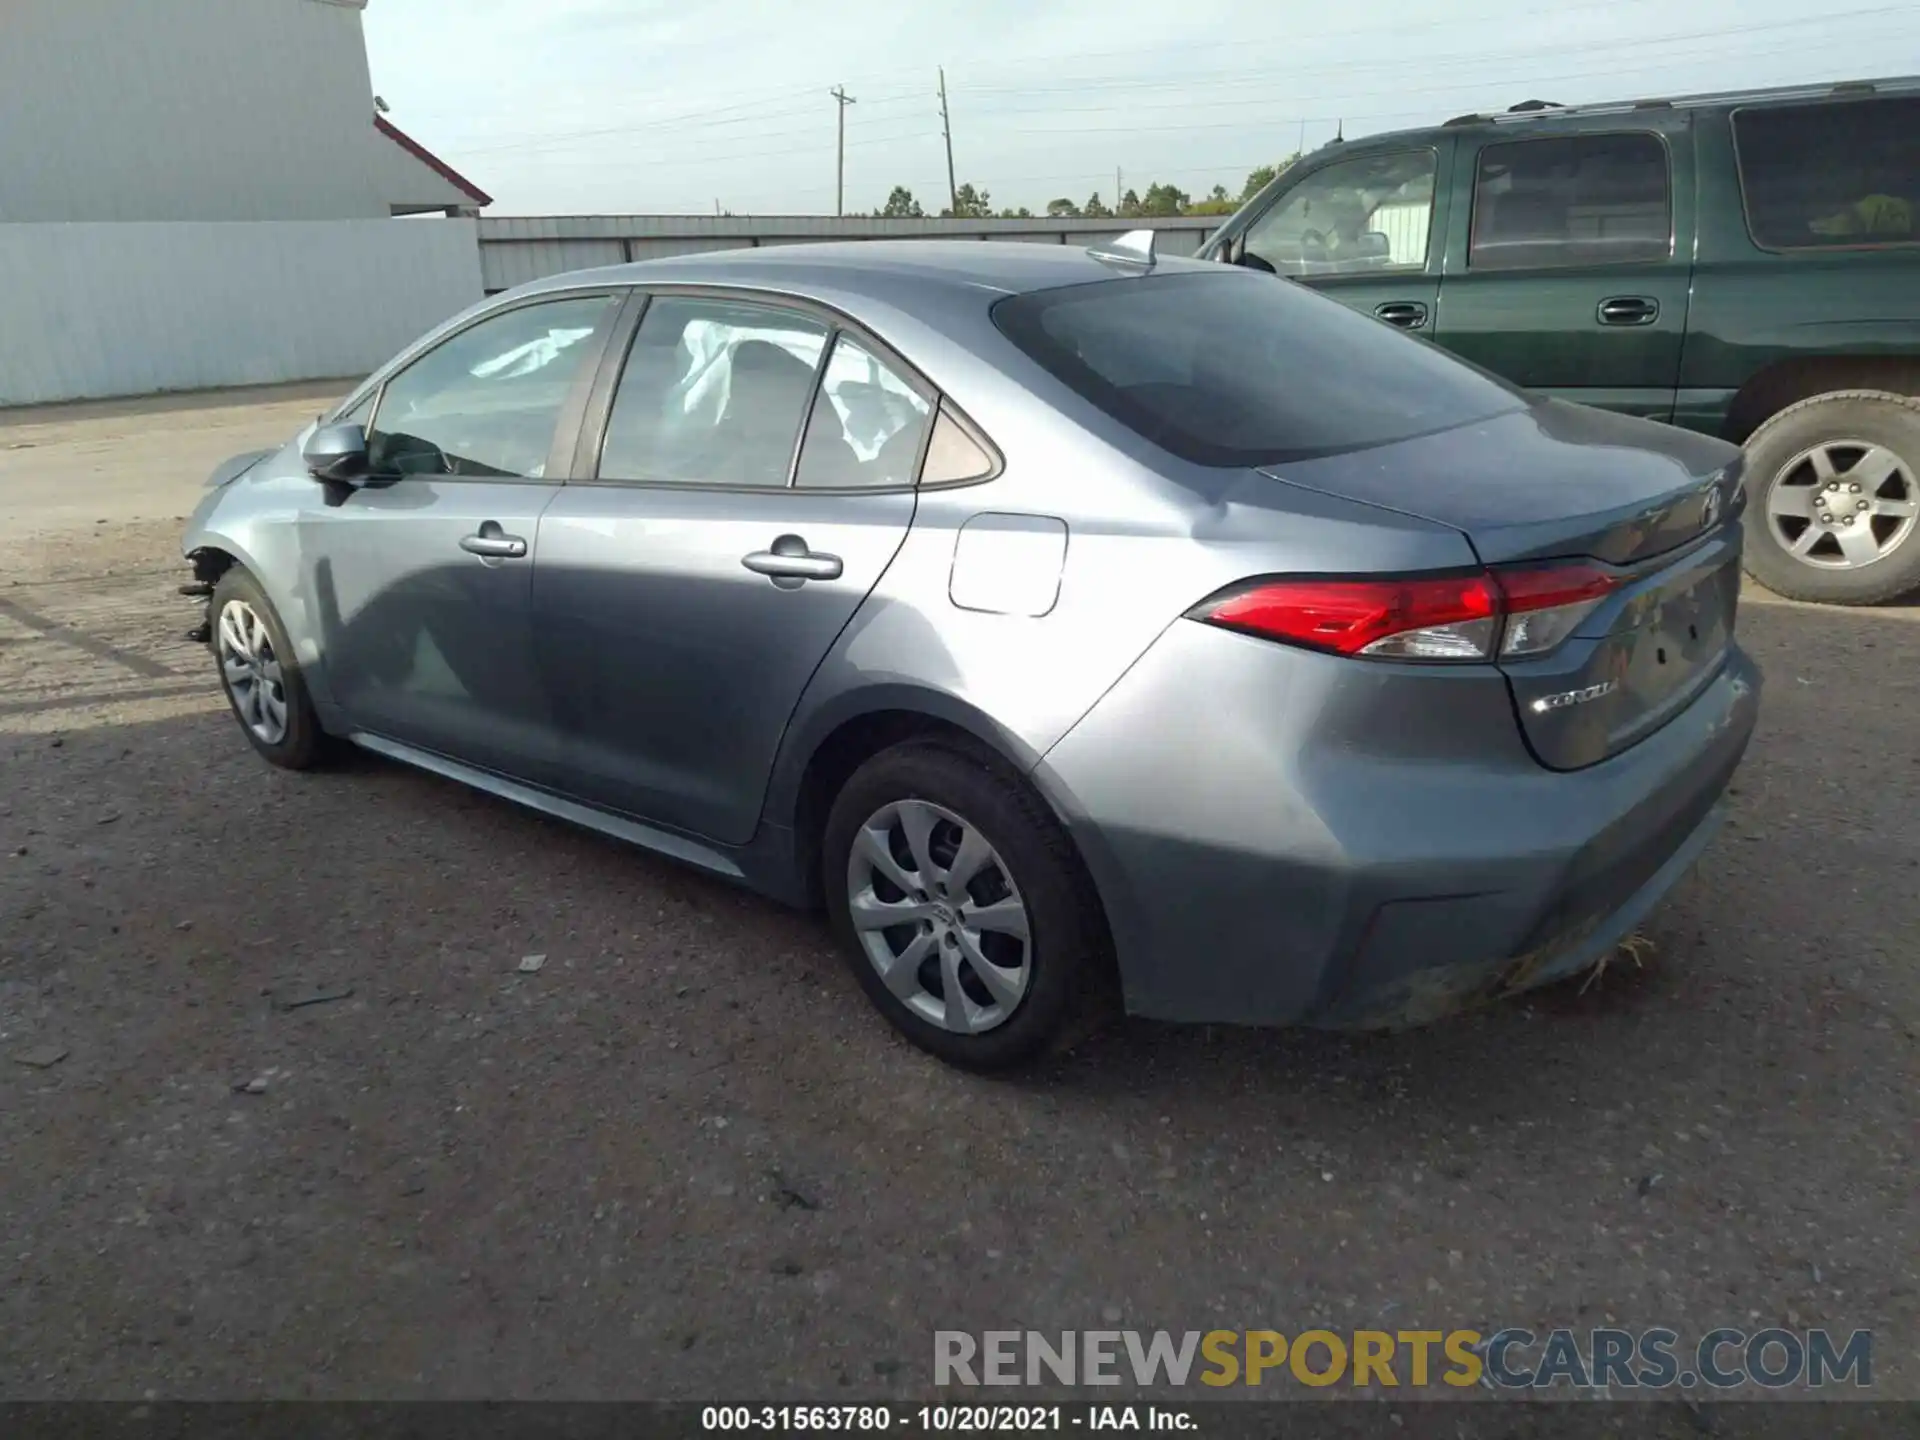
<point x="1747" y="265"/>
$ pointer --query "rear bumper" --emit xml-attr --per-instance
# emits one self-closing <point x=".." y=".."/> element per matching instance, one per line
<point x="1281" y="837"/>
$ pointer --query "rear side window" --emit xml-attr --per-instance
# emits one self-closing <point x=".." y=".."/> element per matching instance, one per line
<point x="1236" y="368"/>
<point x="1836" y="174"/>
<point x="1571" y="200"/>
<point x="714" y="393"/>
<point x="868" y="425"/>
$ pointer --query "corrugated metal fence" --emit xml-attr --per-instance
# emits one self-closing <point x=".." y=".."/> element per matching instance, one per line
<point x="128" y="308"/>
<point x="98" y="309"/>
<point x="516" y="249"/>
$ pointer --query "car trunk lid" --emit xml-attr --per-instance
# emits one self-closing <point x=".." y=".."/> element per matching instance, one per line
<point x="1658" y="507"/>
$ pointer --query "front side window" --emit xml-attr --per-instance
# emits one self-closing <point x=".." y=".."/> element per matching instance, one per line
<point x="1370" y="213"/>
<point x="868" y="424"/>
<point x="1821" y="175"/>
<point x="1571" y="200"/>
<point x="485" y="402"/>
<point x="1226" y="368"/>
<point x="714" y="392"/>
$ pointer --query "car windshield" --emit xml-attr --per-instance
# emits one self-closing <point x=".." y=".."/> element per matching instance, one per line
<point x="1241" y="369"/>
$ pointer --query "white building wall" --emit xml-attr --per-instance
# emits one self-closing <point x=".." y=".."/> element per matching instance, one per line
<point x="128" y="308"/>
<point x="186" y="110"/>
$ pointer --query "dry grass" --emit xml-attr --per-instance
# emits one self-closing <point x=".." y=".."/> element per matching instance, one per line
<point x="1636" y="947"/>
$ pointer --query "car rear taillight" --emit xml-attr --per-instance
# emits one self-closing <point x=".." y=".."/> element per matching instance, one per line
<point x="1546" y="605"/>
<point x="1476" y="616"/>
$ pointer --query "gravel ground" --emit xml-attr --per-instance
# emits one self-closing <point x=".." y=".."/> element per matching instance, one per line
<point x="685" y="1160"/>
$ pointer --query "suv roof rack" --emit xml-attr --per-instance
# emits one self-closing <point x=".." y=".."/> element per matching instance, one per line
<point x="1528" y="110"/>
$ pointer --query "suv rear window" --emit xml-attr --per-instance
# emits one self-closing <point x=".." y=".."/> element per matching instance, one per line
<point x="1237" y="368"/>
<point x="1833" y="174"/>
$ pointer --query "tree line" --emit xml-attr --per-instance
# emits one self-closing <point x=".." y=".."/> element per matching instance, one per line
<point x="971" y="202"/>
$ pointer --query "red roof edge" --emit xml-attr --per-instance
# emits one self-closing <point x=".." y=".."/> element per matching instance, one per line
<point x="426" y="157"/>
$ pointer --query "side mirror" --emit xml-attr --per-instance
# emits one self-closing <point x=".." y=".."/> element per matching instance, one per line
<point x="337" y="453"/>
<point x="1250" y="261"/>
<point x="1375" y="245"/>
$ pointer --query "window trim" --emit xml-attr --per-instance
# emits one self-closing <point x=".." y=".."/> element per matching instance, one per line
<point x="1746" y="202"/>
<point x="1236" y="244"/>
<point x="1473" y="200"/>
<point x="566" y="424"/>
<point x="585" y="468"/>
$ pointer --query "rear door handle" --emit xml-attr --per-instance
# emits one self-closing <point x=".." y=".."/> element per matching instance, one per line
<point x="1406" y="314"/>
<point x="490" y="542"/>
<point x="1628" y="310"/>
<point x="790" y="564"/>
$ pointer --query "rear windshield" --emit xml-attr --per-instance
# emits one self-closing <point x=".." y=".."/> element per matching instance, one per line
<point x="1238" y="368"/>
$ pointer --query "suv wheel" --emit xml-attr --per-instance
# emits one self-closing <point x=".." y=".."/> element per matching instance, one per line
<point x="1834" y="498"/>
<point x="960" y="904"/>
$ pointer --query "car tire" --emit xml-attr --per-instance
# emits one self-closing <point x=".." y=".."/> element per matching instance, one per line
<point x="962" y="800"/>
<point x="1818" y="443"/>
<point x="260" y="676"/>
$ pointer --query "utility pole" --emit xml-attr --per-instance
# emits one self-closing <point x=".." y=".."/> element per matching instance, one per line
<point x="946" y="132"/>
<point x="839" y="93"/>
<point x="1116" y="190"/>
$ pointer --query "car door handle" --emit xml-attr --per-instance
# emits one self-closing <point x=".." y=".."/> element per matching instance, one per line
<point x="790" y="561"/>
<point x="1406" y="314"/>
<point x="490" y="542"/>
<point x="1628" y="310"/>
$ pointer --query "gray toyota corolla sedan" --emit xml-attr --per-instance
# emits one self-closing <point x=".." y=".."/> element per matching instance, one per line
<point x="1044" y="613"/>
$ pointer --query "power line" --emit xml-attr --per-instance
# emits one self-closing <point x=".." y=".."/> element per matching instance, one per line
<point x="566" y="137"/>
<point x="1135" y="107"/>
<point x="744" y="149"/>
<point x="1264" y="78"/>
<point x="1473" y="86"/>
<point x="1266" y="74"/>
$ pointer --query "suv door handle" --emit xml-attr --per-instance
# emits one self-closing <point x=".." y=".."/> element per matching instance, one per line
<point x="1628" y="310"/>
<point x="493" y="543"/>
<point x="1406" y="314"/>
<point x="790" y="564"/>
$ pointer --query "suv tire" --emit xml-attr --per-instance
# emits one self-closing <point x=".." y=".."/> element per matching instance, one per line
<point x="1800" y="456"/>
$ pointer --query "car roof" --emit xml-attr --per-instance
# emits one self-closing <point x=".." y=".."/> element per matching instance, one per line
<point x="879" y="269"/>
<point x="1532" y="111"/>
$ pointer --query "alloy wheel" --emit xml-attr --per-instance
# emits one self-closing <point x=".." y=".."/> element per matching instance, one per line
<point x="938" y="915"/>
<point x="1843" y="504"/>
<point x="252" y="671"/>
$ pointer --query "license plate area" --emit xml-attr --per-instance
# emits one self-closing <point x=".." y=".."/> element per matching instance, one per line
<point x="1638" y="662"/>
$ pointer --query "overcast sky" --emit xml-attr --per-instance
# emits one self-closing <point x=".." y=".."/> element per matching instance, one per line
<point x="629" y="106"/>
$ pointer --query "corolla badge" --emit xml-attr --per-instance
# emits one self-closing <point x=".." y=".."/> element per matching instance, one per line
<point x="1566" y="698"/>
